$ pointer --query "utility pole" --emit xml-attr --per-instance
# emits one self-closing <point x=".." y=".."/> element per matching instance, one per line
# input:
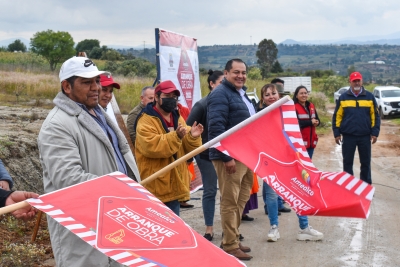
<point x="251" y="40"/>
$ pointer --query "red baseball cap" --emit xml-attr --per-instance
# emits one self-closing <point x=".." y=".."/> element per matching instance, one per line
<point x="355" y="76"/>
<point x="106" y="80"/>
<point x="167" y="87"/>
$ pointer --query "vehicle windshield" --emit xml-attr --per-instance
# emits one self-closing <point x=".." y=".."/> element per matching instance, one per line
<point x="390" y="93"/>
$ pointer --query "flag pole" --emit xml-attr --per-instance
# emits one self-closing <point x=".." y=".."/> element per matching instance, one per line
<point x="183" y="159"/>
<point x="215" y="140"/>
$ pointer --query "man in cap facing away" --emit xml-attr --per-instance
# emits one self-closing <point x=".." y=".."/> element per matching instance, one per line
<point x="356" y="123"/>
<point x="162" y="137"/>
<point x="78" y="142"/>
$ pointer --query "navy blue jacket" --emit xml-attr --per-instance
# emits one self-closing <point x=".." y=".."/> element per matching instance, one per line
<point x="225" y="109"/>
<point x="4" y="176"/>
<point x="356" y="115"/>
<point x="3" y="196"/>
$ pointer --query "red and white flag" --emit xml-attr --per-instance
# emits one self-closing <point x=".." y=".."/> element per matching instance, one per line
<point x="272" y="146"/>
<point x="123" y="220"/>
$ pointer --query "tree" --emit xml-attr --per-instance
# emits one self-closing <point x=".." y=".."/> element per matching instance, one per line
<point x="87" y="45"/>
<point x="111" y="55"/>
<point x="276" y="68"/>
<point x="266" y="54"/>
<point x="55" y="47"/>
<point x="97" y="52"/>
<point x="17" y="45"/>
<point x="254" y="73"/>
<point x="351" y="69"/>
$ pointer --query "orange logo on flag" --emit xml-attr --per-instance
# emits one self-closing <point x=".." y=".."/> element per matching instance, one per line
<point x="116" y="237"/>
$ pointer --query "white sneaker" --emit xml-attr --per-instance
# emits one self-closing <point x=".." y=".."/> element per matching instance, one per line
<point x="273" y="234"/>
<point x="309" y="234"/>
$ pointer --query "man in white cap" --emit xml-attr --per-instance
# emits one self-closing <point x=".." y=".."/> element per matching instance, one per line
<point x="78" y="142"/>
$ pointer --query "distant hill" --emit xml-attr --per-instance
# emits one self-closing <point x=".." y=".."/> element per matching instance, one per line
<point x="138" y="47"/>
<point x="291" y="42"/>
<point x="389" y="39"/>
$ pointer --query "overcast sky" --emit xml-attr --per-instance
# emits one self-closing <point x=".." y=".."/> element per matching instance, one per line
<point x="212" y="22"/>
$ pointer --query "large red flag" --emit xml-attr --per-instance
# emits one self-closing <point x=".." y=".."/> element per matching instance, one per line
<point x="272" y="146"/>
<point x="126" y="222"/>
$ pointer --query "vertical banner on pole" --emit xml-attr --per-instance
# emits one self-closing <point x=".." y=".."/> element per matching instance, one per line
<point x="177" y="60"/>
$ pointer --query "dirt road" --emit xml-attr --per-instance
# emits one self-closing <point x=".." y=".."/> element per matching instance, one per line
<point x="347" y="242"/>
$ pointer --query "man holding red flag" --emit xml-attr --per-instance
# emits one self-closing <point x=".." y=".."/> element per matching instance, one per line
<point x="79" y="142"/>
<point x="228" y="105"/>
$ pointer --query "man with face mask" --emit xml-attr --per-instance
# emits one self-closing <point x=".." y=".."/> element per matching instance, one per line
<point x="162" y="137"/>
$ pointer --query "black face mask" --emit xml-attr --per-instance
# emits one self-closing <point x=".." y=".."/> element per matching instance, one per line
<point x="168" y="104"/>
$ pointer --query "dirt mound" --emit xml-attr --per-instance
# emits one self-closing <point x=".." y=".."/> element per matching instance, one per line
<point x="19" y="128"/>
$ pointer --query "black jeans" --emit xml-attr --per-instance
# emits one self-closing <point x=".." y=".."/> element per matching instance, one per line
<point x="363" y="143"/>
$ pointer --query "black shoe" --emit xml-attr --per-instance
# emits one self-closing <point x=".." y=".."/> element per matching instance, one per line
<point x="208" y="236"/>
<point x="284" y="209"/>
<point x="247" y="218"/>
<point x="184" y="205"/>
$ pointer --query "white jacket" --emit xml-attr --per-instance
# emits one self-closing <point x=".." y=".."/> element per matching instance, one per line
<point x="73" y="148"/>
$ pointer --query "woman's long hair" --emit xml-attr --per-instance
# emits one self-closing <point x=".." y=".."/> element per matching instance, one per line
<point x="295" y="100"/>
<point x="263" y="90"/>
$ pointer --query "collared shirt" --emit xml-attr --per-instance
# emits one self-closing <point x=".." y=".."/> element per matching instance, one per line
<point x="249" y="105"/>
<point x="351" y="89"/>
<point x="101" y="121"/>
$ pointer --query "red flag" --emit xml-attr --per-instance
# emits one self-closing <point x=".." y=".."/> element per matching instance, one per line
<point x="126" y="222"/>
<point x="273" y="147"/>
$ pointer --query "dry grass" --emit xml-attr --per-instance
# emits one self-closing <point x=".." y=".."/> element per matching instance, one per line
<point x="28" y="88"/>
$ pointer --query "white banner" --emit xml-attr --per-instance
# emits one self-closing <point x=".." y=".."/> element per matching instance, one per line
<point x="179" y="63"/>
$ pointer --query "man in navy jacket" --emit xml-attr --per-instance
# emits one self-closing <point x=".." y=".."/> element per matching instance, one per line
<point x="228" y="105"/>
<point x="356" y="123"/>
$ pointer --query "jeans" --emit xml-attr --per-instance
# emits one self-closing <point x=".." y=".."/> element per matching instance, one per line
<point x="235" y="192"/>
<point x="363" y="143"/>
<point x="209" y="177"/>
<point x="271" y="199"/>
<point x="264" y="195"/>
<point x="174" y="205"/>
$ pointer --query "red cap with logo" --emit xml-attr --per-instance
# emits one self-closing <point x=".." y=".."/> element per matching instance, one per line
<point x="107" y="80"/>
<point x="355" y="76"/>
<point x="167" y="87"/>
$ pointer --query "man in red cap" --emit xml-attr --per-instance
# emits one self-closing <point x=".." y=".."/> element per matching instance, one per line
<point x="356" y="123"/>
<point x="107" y="88"/>
<point x="162" y="137"/>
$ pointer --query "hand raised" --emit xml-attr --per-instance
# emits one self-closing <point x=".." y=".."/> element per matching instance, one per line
<point x="196" y="130"/>
<point x="180" y="131"/>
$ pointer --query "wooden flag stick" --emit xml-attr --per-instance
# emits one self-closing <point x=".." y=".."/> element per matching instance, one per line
<point x="215" y="140"/>
<point x="36" y="229"/>
<point x="169" y="167"/>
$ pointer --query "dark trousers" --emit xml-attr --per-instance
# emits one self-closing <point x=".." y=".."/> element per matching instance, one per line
<point x="174" y="205"/>
<point x="363" y="143"/>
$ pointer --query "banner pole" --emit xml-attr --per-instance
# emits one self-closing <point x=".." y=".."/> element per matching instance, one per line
<point x="36" y="229"/>
<point x="14" y="207"/>
<point x="215" y="140"/>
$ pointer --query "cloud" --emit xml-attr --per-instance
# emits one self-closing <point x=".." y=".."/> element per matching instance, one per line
<point x="212" y="22"/>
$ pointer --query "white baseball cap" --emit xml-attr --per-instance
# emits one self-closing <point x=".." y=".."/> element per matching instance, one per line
<point x="81" y="67"/>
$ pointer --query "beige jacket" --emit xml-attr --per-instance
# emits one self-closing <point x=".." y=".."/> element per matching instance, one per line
<point x="73" y="148"/>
